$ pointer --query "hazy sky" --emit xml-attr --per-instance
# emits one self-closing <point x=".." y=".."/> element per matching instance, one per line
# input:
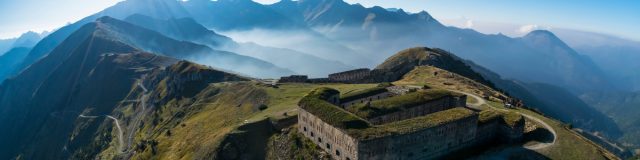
<point x="620" y="17"/>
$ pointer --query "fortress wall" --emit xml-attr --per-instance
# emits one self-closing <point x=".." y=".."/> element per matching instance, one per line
<point x="333" y="140"/>
<point x="421" y="110"/>
<point x="510" y="134"/>
<point x="294" y="79"/>
<point x="497" y="130"/>
<point x="487" y="132"/>
<point x="426" y="144"/>
<point x="364" y="100"/>
<point x="350" y="76"/>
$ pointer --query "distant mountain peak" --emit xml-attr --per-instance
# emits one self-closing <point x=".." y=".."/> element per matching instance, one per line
<point x="540" y="33"/>
<point x="540" y="36"/>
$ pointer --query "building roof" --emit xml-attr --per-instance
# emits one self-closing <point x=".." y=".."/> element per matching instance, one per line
<point x="511" y="119"/>
<point x="348" y="97"/>
<point x="351" y="71"/>
<point x="412" y="125"/>
<point x="398" y="103"/>
<point x="316" y="103"/>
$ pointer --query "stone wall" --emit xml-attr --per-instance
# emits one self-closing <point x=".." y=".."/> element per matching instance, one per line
<point x="497" y="130"/>
<point x="365" y="99"/>
<point x="442" y="104"/>
<point x="333" y="140"/>
<point x="487" y="132"/>
<point x="511" y="134"/>
<point x="429" y="143"/>
<point x="350" y="76"/>
<point x="294" y="79"/>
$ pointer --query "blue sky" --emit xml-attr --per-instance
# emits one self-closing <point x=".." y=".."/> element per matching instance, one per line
<point x="620" y="17"/>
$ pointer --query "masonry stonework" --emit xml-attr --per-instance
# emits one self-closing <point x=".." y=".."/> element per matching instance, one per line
<point x="428" y="142"/>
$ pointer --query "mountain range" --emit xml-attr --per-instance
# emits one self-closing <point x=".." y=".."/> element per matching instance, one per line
<point x="91" y="67"/>
<point x="539" y="57"/>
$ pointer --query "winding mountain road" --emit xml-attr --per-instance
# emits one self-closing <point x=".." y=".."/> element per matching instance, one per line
<point x="480" y="101"/>
<point x="120" y="132"/>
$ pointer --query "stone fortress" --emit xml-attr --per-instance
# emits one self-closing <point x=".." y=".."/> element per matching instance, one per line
<point x="392" y="122"/>
<point x="362" y="75"/>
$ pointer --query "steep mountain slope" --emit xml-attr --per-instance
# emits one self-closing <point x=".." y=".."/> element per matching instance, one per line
<point x="377" y="32"/>
<point x="623" y="108"/>
<point x="92" y="93"/>
<point x="580" y="71"/>
<point x="17" y="51"/>
<point x="248" y="21"/>
<point x="28" y="39"/>
<point x="187" y="29"/>
<point x="6" y="44"/>
<point x="154" y="8"/>
<point x="615" y="56"/>
<point x="90" y="72"/>
<point x="237" y="15"/>
<point x="155" y="42"/>
<point x="11" y="59"/>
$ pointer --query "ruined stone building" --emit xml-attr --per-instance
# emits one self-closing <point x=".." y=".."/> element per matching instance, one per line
<point x="424" y="124"/>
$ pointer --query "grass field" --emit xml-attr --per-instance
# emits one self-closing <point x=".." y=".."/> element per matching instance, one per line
<point x="285" y="98"/>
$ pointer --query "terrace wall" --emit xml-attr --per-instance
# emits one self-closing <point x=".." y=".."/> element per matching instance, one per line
<point x="350" y="76"/>
<point x="365" y="99"/>
<point x="294" y="79"/>
<point x="333" y="140"/>
<point x="442" y="104"/>
<point x="429" y="143"/>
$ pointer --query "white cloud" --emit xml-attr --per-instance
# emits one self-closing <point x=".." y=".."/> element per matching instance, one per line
<point x="468" y="23"/>
<point x="531" y="27"/>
